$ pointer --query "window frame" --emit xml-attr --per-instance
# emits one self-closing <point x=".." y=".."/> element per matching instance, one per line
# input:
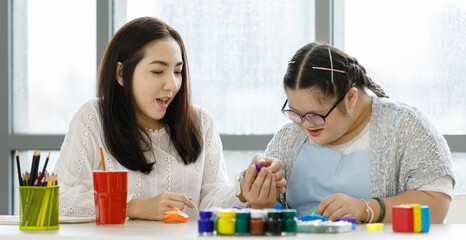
<point x="328" y="15"/>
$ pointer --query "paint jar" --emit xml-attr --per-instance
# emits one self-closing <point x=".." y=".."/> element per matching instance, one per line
<point x="215" y="216"/>
<point x="274" y="223"/>
<point x="226" y="223"/>
<point x="242" y="223"/>
<point x="257" y="222"/>
<point x="289" y="222"/>
<point x="206" y="224"/>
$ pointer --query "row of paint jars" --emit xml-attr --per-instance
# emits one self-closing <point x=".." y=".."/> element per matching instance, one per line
<point x="248" y="222"/>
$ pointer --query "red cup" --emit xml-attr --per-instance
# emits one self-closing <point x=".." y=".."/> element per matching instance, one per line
<point x="110" y="189"/>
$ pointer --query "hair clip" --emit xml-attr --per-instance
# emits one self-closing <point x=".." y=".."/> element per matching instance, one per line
<point x="331" y="66"/>
<point x="328" y="69"/>
<point x="291" y="62"/>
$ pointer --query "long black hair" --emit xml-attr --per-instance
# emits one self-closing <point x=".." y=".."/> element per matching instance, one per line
<point x="126" y="140"/>
<point x="301" y="74"/>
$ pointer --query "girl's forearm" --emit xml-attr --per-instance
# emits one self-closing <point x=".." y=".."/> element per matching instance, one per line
<point x="438" y="202"/>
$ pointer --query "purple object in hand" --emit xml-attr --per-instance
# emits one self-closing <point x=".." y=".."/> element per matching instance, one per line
<point x="348" y="219"/>
<point x="258" y="167"/>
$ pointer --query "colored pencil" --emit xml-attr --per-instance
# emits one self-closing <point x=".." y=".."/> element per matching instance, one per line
<point x="44" y="168"/>
<point x="36" y="169"/>
<point x="18" y="168"/>
<point x="102" y="156"/>
<point x="33" y="165"/>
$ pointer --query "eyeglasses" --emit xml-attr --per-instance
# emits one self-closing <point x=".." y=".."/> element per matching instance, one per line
<point x="313" y="118"/>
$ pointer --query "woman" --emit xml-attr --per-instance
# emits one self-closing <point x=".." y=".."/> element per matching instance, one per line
<point x="351" y="154"/>
<point x="145" y="122"/>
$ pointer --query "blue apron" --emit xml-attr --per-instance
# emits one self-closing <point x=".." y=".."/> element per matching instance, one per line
<point x="319" y="172"/>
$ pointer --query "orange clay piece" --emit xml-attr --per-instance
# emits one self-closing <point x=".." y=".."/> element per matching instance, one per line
<point x="175" y="215"/>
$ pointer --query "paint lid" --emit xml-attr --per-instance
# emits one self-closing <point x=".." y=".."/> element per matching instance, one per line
<point x="289" y="213"/>
<point x="215" y="212"/>
<point x="205" y="214"/>
<point x="242" y="215"/>
<point x="256" y="213"/>
<point x="227" y="214"/>
<point x="278" y="206"/>
<point x="274" y="215"/>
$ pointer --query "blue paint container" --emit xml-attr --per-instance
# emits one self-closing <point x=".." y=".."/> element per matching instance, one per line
<point x="206" y="223"/>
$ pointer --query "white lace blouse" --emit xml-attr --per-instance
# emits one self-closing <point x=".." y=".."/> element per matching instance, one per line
<point x="206" y="180"/>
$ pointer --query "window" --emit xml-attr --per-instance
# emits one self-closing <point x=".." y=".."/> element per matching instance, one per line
<point x="54" y="71"/>
<point x="416" y="58"/>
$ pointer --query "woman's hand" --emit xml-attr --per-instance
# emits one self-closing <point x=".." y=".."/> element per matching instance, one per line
<point x="274" y="165"/>
<point x="340" y="205"/>
<point x="155" y="208"/>
<point x="258" y="188"/>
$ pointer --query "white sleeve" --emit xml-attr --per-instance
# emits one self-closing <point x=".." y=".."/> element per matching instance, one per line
<point x="442" y="184"/>
<point x="77" y="160"/>
<point x="216" y="191"/>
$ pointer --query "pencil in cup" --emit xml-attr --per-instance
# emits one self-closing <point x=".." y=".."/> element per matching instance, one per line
<point x="38" y="208"/>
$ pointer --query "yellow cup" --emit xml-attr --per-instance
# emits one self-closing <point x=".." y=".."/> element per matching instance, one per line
<point x="38" y="208"/>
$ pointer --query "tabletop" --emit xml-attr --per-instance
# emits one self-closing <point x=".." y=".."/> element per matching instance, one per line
<point x="139" y="229"/>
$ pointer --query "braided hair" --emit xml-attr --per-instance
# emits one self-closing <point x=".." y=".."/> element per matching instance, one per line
<point x="305" y="71"/>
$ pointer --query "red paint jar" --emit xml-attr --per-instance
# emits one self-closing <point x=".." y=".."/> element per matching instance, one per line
<point x="257" y="222"/>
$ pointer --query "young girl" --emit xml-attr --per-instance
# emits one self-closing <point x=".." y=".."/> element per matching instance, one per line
<point x="145" y="122"/>
<point x="349" y="154"/>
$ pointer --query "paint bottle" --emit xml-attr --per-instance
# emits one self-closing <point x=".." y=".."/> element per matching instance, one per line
<point x="206" y="224"/>
<point x="274" y="223"/>
<point x="215" y="216"/>
<point x="289" y="222"/>
<point x="226" y="223"/>
<point x="242" y="223"/>
<point x="425" y="211"/>
<point x="257" y="222"/>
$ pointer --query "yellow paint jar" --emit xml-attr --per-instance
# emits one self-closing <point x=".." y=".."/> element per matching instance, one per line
<point x="226" y="223"/>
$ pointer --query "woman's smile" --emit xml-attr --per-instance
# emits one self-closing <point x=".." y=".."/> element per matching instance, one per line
<point x="163" y="102"/>
<point x="315" y="133"/>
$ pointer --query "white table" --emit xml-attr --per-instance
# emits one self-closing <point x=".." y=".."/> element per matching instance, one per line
<point x="138" y="229"/>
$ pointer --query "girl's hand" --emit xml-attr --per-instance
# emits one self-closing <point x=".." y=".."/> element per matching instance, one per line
<point x="258" y="188"/>
<point x="340" y="205"/>
<point x="155" y="208"/>
<point x="274" y="165"/>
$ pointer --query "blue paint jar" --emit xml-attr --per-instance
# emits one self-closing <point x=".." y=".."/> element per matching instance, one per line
<point x="206" y="223"/>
